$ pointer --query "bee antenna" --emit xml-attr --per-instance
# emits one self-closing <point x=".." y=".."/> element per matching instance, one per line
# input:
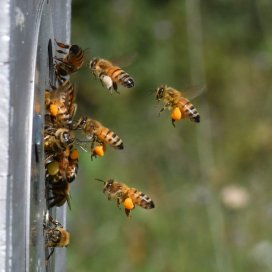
<point x="101" y="180"/>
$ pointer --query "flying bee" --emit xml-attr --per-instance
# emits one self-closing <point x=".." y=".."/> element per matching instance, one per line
<point x="57" y="139"/>
<point x="126" y="195"/>
<point x="174" y="100"/>
<point x="55" y="234"/>
<point x="97" y="133"/>
<point x="110" y="75"/>
<point x="60" y="103"/>
<point x="71" y="62"/>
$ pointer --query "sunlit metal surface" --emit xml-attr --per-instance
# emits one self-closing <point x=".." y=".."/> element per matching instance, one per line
<point x="25" y="31"/>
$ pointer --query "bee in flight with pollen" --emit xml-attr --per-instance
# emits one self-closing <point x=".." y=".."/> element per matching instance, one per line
<point x="98" y="135"/>
<point x="174" y="100"/>
<point x="110" y="75"/>
<point x="128" y="196"/>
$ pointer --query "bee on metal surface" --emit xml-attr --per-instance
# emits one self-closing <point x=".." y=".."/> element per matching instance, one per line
<point x="71" y="62"/>
<point x="62" y="167"/>
<point x="59" y="194"/>
<point x="57" y="139"/>
<point x="97" y="133"/>
<point x="110" y="75"/>
<point x="126" y="195"/>
<point x="55" y="234"/>
<point x="60" y="103"/>
<point x="174" y="100"/>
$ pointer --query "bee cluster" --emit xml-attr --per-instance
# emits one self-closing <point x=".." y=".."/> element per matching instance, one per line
<point x="61" y="138"/>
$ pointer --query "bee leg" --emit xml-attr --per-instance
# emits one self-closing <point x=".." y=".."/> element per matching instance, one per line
<point x="115" y="87"/>
<point x="62" y="45"/>
<point x="61" y="52"/>
<point x="118" y="203"/>
<point x="50" y="254"/>
<point x="173" y="123"/>
<point x="165" y="107"/>
<point x="127" y="211"/>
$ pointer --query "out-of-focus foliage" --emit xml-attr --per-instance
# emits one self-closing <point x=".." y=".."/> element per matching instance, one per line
<point x="211" y="182"/>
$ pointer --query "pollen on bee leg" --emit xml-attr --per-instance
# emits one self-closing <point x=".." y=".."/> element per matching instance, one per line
<point x="128" y="203"/>
<point x="99" y="150"/>
<point x="176" y="114"/>
<point x="74" y="154"/>
<point x="106" y="81"/>
<point x="53" y="168"/>
<point x="54" y="109"/>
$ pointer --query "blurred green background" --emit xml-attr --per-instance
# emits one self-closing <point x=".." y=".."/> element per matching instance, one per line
<point x="211" y="182"/>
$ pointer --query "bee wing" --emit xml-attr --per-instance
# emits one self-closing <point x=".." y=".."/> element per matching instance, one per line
<point x="125" y="60"/>
<point x="192" y="92"/>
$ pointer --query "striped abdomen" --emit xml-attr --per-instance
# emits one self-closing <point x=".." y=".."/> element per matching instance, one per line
<point x="71" y="170"/>
<point x="189" y="110"/>
<point x="120" y="76"/>
<point x="140" y="199"/>
<point x="106" y="135"/>
<point x="71" y="63"/>
<point x="74" y="59"/>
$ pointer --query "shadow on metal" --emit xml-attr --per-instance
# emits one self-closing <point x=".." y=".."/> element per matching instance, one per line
<point x="33" y="27"/>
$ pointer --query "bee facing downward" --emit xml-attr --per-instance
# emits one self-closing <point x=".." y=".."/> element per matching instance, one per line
<point x="71" y="62"/>
<point x="55" y="234"/>
<point x="110" y="75"/>
<point x="126" y="195"/>
<point x="174" y="100"/>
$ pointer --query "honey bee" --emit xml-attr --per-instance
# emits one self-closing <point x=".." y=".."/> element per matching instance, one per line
<point x="55" y="235"/>
<point x="121" y="193"/>
<point x="57" y="139"/>
<point x="110" y="75"/>
<point x="97" y="133"/>
<point x="172" y="99"/>
<point x="62" y="167"/>
<point x="71" y="62"/>
<point x="60" y="104"/>
<point x="60" y="193"/>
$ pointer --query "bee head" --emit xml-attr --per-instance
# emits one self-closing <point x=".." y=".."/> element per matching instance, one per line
<point x="93" y="63"/>
<point x="74" y="49"/>
<point x="160" y="92"/>
<point x="108" y="186"/>
<point x="67" y="137"/>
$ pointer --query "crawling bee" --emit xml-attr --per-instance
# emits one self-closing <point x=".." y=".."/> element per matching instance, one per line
<point x="174" y="100"/>
<point x="110" y="75"/>
<point x="60" y="103"/>
<point x="126" y="195"/>
<point x="98" y="134"/>
<point x="62" y="167"/>
<point x="57" y="139"/>
<point x="60" y="193"/>
<point x="55" y="234"/>
<point x="71" y="62"/>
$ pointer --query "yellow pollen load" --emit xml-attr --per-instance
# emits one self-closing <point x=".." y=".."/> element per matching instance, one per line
<point x="128" y="203"/>
<point x="74" y="154"/>
<point x="99" y="150"/>
<point x="176" y="114"/>
<point x="53" y="168"/>
<point x="54" y="109"/>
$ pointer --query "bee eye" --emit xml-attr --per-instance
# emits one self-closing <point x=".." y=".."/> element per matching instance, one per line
<point x="93" y="63"/>
<point x="74" y="49"/>
<point x="161" y="90"/>
<point x="66" y="137"/>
